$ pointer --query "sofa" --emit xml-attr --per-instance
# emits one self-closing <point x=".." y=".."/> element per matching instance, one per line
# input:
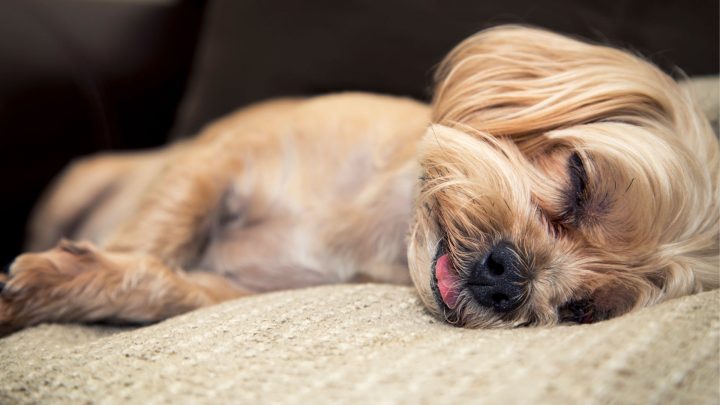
<point x="370" y="343"/>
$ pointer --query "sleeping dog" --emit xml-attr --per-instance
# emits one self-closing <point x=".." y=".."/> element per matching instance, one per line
<point x="549" y="181"/>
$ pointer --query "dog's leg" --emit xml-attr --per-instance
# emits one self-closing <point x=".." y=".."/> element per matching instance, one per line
<point x="172" y="221"/>
<point x="136" y="273"/>
<point x="136" y="276"/>
<point x="73" y="205"/>
<point x="79" y="283"/>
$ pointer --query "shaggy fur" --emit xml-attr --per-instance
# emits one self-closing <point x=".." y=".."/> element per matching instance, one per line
<point x="595" y="168"/>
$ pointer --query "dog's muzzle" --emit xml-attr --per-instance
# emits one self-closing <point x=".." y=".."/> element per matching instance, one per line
<point x="496" y="280"/>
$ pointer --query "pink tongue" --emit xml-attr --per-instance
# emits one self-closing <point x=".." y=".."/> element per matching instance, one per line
<point x="447" y="282"/>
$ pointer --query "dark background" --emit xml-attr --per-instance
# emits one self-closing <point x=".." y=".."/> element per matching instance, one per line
<point x="79" y="76"/>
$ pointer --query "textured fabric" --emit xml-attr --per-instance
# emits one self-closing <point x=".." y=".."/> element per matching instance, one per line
<point x="367" y="343"/>
<point x="706" y="90"/>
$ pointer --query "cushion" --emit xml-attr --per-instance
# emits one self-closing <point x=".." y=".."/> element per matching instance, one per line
<point x="706" y="90"/>
<point x="367" y="343"/>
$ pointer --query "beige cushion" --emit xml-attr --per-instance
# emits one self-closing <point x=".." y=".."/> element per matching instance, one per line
<point x="367" y="343"/>
<point x="706" y="91"/>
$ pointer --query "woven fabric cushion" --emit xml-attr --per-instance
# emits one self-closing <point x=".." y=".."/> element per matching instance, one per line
<point x="706" y="90"/>
<point x="367" y="343"/>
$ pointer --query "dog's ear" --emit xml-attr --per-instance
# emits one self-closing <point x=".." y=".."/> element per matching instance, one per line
<point x="520" y="82"/>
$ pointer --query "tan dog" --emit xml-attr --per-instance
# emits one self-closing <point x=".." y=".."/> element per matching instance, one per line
<point x="559" y="182"/>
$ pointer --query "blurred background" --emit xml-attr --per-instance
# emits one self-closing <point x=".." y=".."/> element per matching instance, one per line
<point x="81" y="76"/>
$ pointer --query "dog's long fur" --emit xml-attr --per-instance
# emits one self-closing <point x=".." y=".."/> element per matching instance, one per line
<point x="294" y="193"/>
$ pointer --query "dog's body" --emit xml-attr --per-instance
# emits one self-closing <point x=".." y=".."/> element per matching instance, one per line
<point x="316" y="191"/>
<point x="564" y="182"/>
<point x="282" y="195"/>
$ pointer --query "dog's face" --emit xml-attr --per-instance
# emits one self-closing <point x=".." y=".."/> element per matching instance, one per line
<point x="563" y="182"/>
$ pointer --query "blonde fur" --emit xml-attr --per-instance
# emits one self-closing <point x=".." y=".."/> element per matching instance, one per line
<point x="305" y="192"/>
<point x="512" y="103"/>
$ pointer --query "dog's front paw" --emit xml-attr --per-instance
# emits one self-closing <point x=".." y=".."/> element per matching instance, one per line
<point x="36" y="286"/>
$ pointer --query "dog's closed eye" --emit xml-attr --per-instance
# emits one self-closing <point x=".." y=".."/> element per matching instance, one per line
<point x="573" y="204"/>
<point x="577" y="195"/>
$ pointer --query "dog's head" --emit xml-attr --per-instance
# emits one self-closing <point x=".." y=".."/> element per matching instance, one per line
<point x="562" y="182"/>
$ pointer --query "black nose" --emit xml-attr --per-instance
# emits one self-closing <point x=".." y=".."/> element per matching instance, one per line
<point x="496" y="280"/>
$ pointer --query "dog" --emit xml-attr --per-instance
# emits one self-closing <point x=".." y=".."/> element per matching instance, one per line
<point x="549" y="181"/>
